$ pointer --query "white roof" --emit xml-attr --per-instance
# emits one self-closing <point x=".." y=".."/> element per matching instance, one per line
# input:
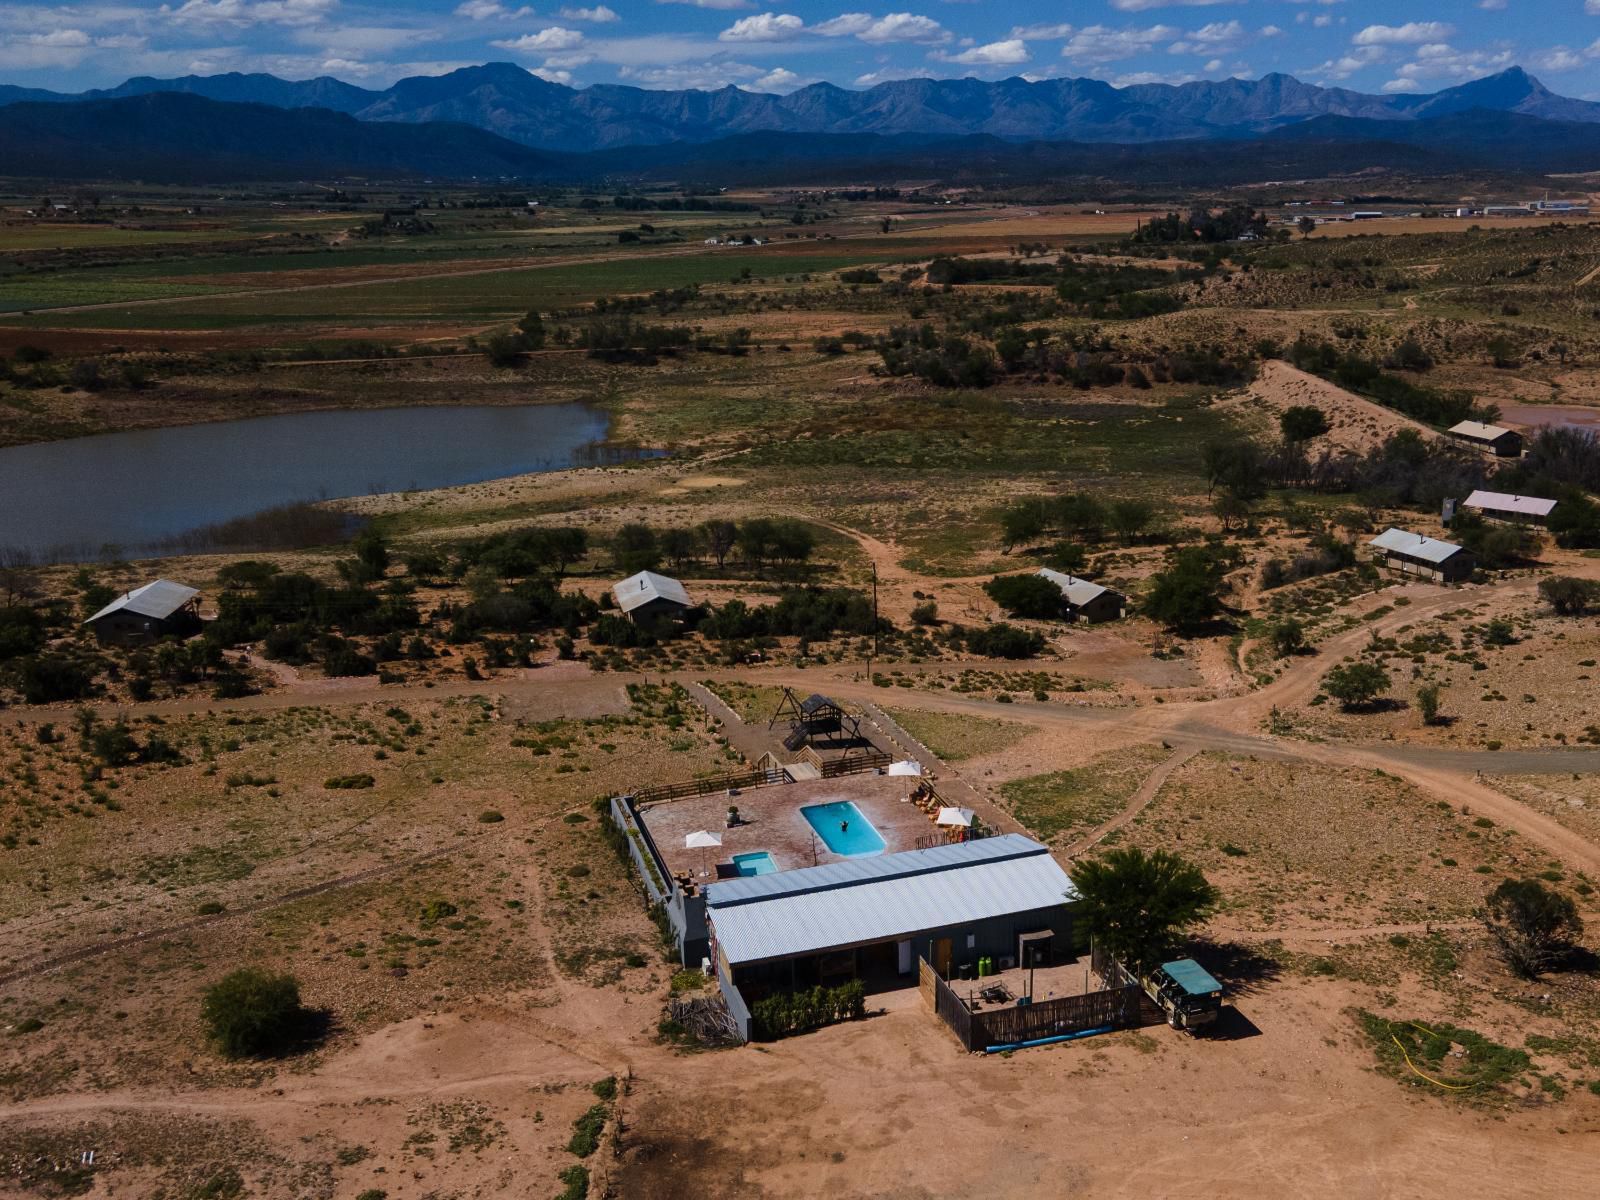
<point x="647" y="586"/>
<point x="1531" y="506"/>
<point x="1077" y="591"/>
<point x="1415" y="545"/>
<point x="1477" y="429"/>
<point x="892" y="896"/>
<point x="157" y="600"/>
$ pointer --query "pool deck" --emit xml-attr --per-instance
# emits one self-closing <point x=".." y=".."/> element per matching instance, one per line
<point x="771" y="821"/>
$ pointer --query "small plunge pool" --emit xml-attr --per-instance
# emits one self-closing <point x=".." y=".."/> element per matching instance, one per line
<point x="756" y="862"/>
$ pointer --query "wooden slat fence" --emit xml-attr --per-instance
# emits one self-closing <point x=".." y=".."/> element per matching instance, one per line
<point x="945" y="1003"/>
<point x="1116" y="1008"/>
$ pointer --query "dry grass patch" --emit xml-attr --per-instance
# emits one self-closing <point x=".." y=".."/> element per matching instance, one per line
<point x="954" y="737"/>
<point x="1060" y="806"/>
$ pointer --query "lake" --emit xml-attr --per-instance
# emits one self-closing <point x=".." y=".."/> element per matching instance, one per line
<point x="1533" y="415"/>
<point x="67" y="500"/>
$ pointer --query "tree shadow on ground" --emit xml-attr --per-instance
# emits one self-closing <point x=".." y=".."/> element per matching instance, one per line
<point x="1242" y="970"/>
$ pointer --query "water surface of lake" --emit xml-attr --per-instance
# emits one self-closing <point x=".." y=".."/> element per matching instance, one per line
<point x="67" y="500"/>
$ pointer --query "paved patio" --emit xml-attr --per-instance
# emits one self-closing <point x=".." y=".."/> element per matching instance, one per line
<point x="771" y="820"/>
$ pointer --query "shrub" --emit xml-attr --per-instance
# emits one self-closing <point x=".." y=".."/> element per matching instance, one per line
<point x="586" y="1131"/>
<point x="490" y="816"/>
<point x="1569" y="596"/>
<point x="1028" y="596"/>
<point x="1356" y="685"/>
<point x="1288" y="638"/>
<point x="349" y="782"/>
<point x="1535" y="925"/>
<point x="436" y="910"/>
<point x="251" y="1013"/>
<point x="787" y="1013"/>
<point x="1004" y="641"/>
<point x="575" y="1180"/>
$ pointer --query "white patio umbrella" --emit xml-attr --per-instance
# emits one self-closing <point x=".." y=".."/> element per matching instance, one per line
<point x="909" y="767"/>
<point x="959" y="817"/>
<point x="702" y="839"/>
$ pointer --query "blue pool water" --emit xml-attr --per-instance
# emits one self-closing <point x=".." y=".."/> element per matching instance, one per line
<point x="757" y="862"/>
<point x="855" y="840"/>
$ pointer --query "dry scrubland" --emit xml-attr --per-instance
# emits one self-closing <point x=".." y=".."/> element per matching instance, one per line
<point x="480" y="957"/>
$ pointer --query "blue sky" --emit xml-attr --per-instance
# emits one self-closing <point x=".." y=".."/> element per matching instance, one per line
<point x="1370" y="45"/>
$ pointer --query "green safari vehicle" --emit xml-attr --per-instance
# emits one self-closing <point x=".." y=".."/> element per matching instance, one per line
<point x="1186" y="992"/>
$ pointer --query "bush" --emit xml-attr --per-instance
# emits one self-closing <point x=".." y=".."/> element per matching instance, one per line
<point x="787" y="1013"/>
<point x="1569" y="596"/>
<point x="586" y="1131"/>
<point x="1288" y="638"/>
<point x="490" y="816"/>
<point x="436" y="910"/>
<point x="49" y="678"/>
<point x="1535" y="925"/>
<point x="575" y="1181"/>
<point x="1005" y="641"/>
<point x="253" y="1014"/>
<point x="348" y="782"/>
<point x="1356" y="685"/>
<point x="1028" y="596"/>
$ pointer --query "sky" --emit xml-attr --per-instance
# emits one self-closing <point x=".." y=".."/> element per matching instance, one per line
<point x="1368" y="45"/>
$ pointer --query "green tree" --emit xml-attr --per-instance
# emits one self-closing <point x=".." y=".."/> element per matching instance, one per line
<point x="1186" y="595"/>
<point x="1568" y="595"/>
<point x="372" y="551"/>
<point x="635" y="548"/>
<point x="1428" y="700"/>
<point x="532" y="328"/>
<point x="1028" y="596"/>
<point x="1130" y="518"/>
<point x="1307" y="225"/>
<point x="1302" y="422"/>
<point x="1022" y="523"/>
<point x="719" y="537"/>
<point x="1356" y="685"/>
<point x="1534" y="925"/>
<point x="1288" y="638"/>
<point x="1140" y="904"/>
<point x="252" y="1013"/>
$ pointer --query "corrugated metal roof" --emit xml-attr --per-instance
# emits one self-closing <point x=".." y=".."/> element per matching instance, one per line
<point x="873" y="900"/>
<point x="1077" y="591"/>
<point x="157" y="600"/>
<point x="1477" y="429"/>
<point x="1415" y="545"/>
<point x="647" y="586"/>
<point x="1530" y="506"/>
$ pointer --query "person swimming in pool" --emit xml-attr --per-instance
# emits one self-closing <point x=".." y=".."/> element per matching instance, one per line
<point x="844" y="826"/>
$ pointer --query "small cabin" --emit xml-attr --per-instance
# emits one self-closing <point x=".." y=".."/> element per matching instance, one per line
<point x="1086" y="601"/>
<point x="648" y="597"/>
<point x="1425" y="557"/>
<point x="1516" y="510"/>
<point x="1506" y="443"/>
<point x="148" y="614"/>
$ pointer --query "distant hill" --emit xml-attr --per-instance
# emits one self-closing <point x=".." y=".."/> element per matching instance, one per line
<point x="508" y="100"/>
<point x="174" y="138"/>
<point x="1481" y="137"/>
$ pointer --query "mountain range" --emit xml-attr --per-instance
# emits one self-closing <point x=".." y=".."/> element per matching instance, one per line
<point x="506" y="100"/>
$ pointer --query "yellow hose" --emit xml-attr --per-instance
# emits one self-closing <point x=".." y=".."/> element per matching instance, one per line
<point x="1453" y="1087"/>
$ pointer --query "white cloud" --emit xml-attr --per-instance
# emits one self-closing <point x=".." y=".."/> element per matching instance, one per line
<point x="1409" y="34"/>
<point x="1042" y="33"/>
<point x="844" y="25"/>
<point x="598" y="15"/>
<point x="490" y="10"/>
<point x="886" y="75"/>
<point x="779" y="79"/>
<point x="1219" y="37"/>
<point x="1559" y="58"/>
<point x="553" y="74"/>
<point x="1592" y="7"/>
<point x="1441" y="61"/>
<point x="244" y="13"/>
<point x="360" y="41"/>
<point x="995" y="54"/>
<point x="895" y="27"/>
<point x="765" y="27"/>
<point x="1492" y="5"/>
<point x="707" y="76"/>
<point x="1147" y="5"/>
<point x="1213" y="67"/>
<point x="720" y="5"/>
<point x="546" y="40"/>
<point x="1102" y="44"/>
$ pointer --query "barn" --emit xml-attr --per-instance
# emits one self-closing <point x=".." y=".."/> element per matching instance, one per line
<point x="1506" y="443"/>
<point x="1086" y="601"/>
<point x="1426" y="557"/>
<point x="147" y="614"/>
<point x="648" y="597"/>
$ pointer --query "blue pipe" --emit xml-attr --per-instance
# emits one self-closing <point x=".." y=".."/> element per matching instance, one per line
<point x="1049" y="1041"/>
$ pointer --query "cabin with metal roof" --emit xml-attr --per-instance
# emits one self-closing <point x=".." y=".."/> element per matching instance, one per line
<point x="1084" y="600"/>
<point x="1506" y="443"/>
<point x="1518" y="510"/>
<point x="873" y="918"/>
<point x="1422" y="556"/>
<point x="159" y="609"/>
<point x="647" y="597"/>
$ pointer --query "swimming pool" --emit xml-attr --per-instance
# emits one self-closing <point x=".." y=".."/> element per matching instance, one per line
<point x="757" y="862"/>
<point x="843" y="829"/>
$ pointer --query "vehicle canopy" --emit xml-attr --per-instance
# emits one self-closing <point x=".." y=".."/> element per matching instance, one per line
<point x="1189" y="975"/>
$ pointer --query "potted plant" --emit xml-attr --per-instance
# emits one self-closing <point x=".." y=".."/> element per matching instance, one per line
<point x="733" y="815"/>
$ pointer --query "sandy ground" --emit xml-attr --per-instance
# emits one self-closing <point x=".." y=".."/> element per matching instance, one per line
<point x="1355" y="423"/>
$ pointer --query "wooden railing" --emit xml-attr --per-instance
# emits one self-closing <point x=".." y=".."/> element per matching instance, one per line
<point x="1117" y="1007"/>
<point x="946" y="1005"/>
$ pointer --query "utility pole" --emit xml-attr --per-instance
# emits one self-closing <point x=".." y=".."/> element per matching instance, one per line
<point x="874" y="614"/>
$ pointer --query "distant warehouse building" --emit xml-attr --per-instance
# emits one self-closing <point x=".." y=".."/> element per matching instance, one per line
<point x="1506" y="443"/>
<point x="1519" y="510"/>
<point x="1426" y="557"/>
<point x="147" y="614"/>
<point x="1086" y="601"/>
